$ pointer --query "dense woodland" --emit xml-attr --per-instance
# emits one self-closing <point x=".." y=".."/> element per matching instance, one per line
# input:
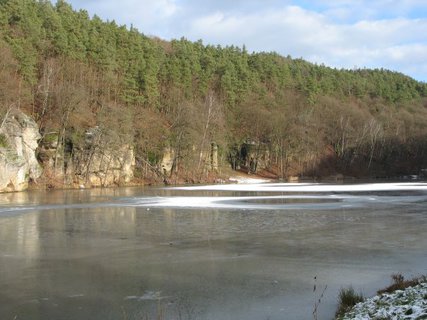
<point x="72" y="72"/>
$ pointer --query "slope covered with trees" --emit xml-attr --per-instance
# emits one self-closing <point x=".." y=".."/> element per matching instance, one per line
<point x="72" y="72"/>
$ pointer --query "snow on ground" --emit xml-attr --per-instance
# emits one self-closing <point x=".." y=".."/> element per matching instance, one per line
<point x="410" y="303"/>
<point x="242" y="179"/>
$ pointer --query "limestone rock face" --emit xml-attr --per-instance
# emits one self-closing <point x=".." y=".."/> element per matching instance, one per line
<point x="19" y="136"/>
<point x="51" y="155"/>
<point x="109" y="167"/>
<point x="99" y="163"/>
<point x="96" y="163"/>
<point x="167" y="161"/>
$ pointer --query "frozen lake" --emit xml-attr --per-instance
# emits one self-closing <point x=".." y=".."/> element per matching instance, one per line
<point x="245" y="251"/>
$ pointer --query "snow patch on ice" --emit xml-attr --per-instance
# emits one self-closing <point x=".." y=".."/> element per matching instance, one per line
<point x="245" y="202"/>
<point x="310" y="187"/>
<point x="148" y="295"/>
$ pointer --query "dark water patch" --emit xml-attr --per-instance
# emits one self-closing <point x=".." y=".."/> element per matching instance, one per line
<point x="291" y="200"/>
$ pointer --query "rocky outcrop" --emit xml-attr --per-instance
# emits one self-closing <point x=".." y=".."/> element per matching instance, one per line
<point x="250" y="155"/>
<point x="51" y="155"/>
<point x="93" y="159"/>
<point x="166" y="164"/>
<point x="102" y="162"/>
<point x="106" y="167"/>
<point x="19" y="136"/>
<point x="97" y="161"/>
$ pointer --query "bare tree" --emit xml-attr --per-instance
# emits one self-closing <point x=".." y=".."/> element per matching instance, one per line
<point x="212" y="111"/>
<point x="375" y="132"/>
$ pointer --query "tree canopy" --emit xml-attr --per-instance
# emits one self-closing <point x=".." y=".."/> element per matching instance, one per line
<point x="72" y="72"/>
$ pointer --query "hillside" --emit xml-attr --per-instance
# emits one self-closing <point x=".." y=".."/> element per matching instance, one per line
<point x="203" y="107"/>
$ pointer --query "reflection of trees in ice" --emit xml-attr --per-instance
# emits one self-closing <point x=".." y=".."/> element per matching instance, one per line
<point x="153" y="305"/>
<point x="185" y="309"/>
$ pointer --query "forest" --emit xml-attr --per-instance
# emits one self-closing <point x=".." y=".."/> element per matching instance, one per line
<point x="263" y="112"/>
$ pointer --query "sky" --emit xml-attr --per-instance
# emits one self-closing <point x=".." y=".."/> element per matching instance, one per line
<point x="390" y="34"/>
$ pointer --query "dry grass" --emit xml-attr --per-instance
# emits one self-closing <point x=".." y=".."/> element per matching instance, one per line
<point x="399" y="283"/>
<point x="347" y="298"/>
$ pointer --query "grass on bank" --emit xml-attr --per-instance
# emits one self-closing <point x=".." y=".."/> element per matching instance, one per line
<point x="399" y="283"/>
<point x="348" y="298"/>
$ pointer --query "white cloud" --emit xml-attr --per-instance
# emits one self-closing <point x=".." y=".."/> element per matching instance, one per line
<point x="390" y="43"/>
<point x="368" y="9"/>
<point x="340" y="33"/>
<point x="146" y="15"/>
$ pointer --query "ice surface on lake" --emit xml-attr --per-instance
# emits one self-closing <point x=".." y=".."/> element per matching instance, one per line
<point x="241" y="252"/>
<point x="283" y="196"/>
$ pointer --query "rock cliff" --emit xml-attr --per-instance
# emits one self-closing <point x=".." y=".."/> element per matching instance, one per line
<point x="95" y="162"/>
<point x="101" y="161"/>
<point x="19" y="136"/>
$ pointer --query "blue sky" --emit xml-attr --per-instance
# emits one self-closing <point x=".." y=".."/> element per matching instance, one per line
<point x="389" y="34"/>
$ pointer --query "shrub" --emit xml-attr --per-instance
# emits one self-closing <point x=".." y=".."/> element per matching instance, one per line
<point x="51" y="138"/>
<point x="347" y="298"/>
<point x="3" y="141"/>
<point x="399" y="283"/>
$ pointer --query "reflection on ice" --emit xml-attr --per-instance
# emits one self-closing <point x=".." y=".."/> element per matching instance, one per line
<point x="287" y="196"/>
<point x="120" y="253"/>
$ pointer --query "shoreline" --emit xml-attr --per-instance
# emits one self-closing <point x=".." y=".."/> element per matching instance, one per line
<point x="238" y="177"/>
<point x="410" y="303"/>
<point x="403" y="299"/>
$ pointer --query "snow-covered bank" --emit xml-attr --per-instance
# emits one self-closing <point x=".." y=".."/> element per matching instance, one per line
<point x="245" y="180"/>
<point x="410" y="303"/>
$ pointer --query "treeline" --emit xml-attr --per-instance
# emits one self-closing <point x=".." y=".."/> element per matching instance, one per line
<point x="72" y="73"/>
